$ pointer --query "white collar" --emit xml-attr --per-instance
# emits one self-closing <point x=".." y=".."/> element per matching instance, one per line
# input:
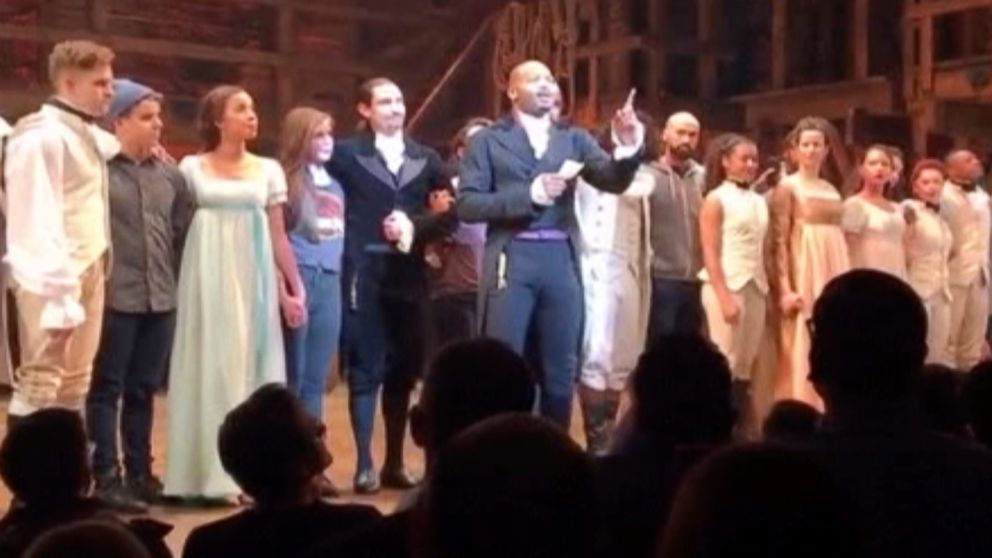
<point x="534" y="124"/>
<point x="390" y="144"/>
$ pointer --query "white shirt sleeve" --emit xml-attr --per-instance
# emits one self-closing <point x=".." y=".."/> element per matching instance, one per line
<point x="37" y="248"/>
<point x="277" y="193"/>
<point x="627" y="151"/>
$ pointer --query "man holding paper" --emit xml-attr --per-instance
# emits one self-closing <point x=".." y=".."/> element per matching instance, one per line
<point x="517" y="176"/>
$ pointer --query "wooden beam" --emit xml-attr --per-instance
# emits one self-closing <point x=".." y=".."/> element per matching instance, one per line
<point x="656" y="72"/>
<point x="596" y="34"/>
<point x="941" y="7"/>
<point x="98" y="15"/>
<point x="909" y="49"/>
<point x="612" y="46"/>
<point x="356" y="12"/>
<point x="862" y="43"/>
<point x="285" y="73"/>
<point x="925" y="71"/>
<point x="707" y="37"/>
<point x="164" y="48"/>
<point x="780" y="29"/>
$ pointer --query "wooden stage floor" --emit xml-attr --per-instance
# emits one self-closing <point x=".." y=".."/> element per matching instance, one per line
<point x="339" y="440"/>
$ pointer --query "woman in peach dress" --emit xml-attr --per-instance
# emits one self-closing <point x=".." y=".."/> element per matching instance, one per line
<point x="810" y="248"/>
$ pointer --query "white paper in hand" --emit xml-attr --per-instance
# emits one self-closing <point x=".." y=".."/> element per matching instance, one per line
<point x="570" y="169"/>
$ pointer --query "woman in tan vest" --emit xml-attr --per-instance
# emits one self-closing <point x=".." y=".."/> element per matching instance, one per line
<point x="733" y="232"/>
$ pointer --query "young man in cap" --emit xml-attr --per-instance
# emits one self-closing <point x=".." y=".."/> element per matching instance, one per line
<point x="150" y="207"/>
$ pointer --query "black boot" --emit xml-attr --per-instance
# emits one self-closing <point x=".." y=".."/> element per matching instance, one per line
<point x="395" y="408"/>
<point x="111" y="492"/>
<point x="596" y="420"/>
<point x="740" y="391"/>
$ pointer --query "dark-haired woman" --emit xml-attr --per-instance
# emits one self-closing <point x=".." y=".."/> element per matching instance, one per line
<point x="228" y="338"/>
<point x="734" y="234"/>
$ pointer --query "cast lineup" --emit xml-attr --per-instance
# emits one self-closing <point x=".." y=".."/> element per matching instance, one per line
<point x="231" y="270"/>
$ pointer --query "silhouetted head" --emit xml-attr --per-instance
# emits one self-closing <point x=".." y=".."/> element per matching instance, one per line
<point x="94" y="539"/>
<point x="940" y="400"/>
<point x="760" y="500"/>
<point x="681" y="391"/>
<point x="468" y="382"/>
<point x="272" y="447"/>
<point x="44" y="459"/>
<point x="977" y="401"/>
<point x="514" y="485"/>
<point x="791" y="421"/>
<point x="868" y="339"/>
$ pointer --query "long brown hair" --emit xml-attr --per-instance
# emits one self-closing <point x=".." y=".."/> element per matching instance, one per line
<point x="295" y="141"/>
<point x="837" y="166"/>
<point x="212" y="111"/>
<point x="718" y="148"/>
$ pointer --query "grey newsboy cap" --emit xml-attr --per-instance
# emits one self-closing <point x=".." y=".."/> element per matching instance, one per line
<point x="128" y="93"/>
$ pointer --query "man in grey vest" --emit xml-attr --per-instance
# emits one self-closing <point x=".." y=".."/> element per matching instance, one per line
<point x="675" y="199"/>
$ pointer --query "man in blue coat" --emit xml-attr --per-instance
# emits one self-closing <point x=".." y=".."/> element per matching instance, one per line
<point x="518" y="176"/>
<point x="386" y="178"/>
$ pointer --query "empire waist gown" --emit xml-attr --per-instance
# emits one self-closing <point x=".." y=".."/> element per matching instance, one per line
<point x="228" y="339"/>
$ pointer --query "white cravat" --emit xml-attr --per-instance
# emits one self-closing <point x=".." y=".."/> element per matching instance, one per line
<point x="392" y="149"/>
<point x="538" y="130"/>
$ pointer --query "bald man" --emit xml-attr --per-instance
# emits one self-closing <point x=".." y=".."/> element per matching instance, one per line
<point x="675" y="183"/>
<point x="511" y="179"/>
<point x="965" y="206"/>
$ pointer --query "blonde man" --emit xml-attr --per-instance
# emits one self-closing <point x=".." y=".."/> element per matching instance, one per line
<point x="57" y="229"/>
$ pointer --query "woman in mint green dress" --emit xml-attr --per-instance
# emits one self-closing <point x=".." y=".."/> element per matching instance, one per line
<point x="228" y="338"/>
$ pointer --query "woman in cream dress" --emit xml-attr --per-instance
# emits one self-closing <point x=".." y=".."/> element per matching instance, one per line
<point x="874" y="226"/>
<point x="809" y="246"/>
<point x="228" y="337"/>
<point x="928" y="248"/>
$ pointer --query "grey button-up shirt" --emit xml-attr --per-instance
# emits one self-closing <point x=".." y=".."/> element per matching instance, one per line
<point x="150" y="209"/>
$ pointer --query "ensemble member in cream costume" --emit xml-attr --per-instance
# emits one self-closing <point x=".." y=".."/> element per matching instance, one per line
<point x="928" y="249"/>
<point x="966" y="208"/>
<point x="58" y="229"/>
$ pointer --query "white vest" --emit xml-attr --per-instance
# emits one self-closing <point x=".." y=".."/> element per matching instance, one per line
<point x="968" y="215"/>
<point x="610" y="223"/>
<point x="927" y="252"/>
<point x="745" y="225"/>
<point x="84" y="180"/>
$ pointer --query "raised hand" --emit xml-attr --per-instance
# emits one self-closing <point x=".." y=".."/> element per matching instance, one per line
<point x="625" y="122"/>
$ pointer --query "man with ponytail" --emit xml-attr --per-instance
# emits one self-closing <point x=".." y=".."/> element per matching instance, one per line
<point x="386" y="177"/>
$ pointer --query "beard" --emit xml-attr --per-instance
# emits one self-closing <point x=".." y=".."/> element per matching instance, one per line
<point x="683" y="151"/>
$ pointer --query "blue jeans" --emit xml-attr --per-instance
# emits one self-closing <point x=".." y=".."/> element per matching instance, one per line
<point x="310" y="347"/>
<point x="542" y="301"/>
<point x="130" y="365"/>
<point x="676" y="307"/>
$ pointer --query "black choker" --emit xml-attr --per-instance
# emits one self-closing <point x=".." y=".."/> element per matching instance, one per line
<point x="935" y="207"/>
<point x="742" y="184"/>
<point x="62" y="105"/>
